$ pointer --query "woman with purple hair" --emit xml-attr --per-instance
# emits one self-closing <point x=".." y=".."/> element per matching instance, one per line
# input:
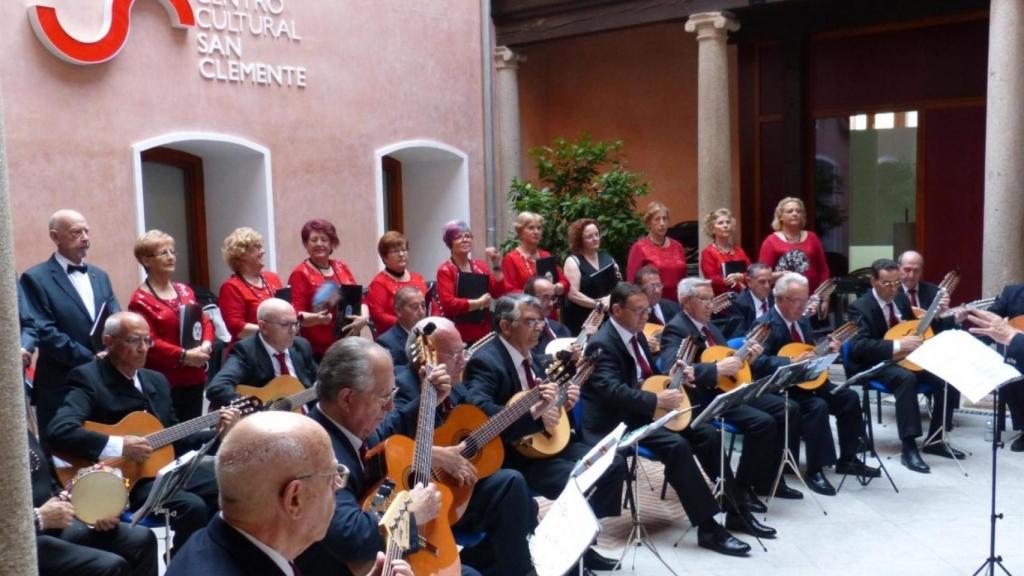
<point x="461" y="310"/>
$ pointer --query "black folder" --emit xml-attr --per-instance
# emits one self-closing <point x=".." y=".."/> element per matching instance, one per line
<point x="284" y="294"/>
<point x="548" y="268"/>
<point x="604" y="280"/>
<point x="471" y="285"/>
<point x="190" y="328"/>
<point x="350" y="303"/>
<point x="733" y="266"/>
<point x="96" y="333"/>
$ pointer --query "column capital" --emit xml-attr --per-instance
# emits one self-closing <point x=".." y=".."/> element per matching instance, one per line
<point x="505" y="57"/>
<point x="710" y="25"/>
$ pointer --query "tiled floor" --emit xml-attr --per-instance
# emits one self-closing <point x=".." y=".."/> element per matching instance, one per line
<point x="937" y="524"/>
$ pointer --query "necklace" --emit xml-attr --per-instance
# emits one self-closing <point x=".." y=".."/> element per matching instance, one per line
<point x="790" y="239"/>
<point x="327" y="268"/>
<point x="723" y="250"/>
<point x="257" y="291"/>
<point x="662" y="244"/>
<point x="167" y="303"/>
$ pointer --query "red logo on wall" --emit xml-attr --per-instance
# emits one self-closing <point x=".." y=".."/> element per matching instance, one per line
<point x="113" y="34"/>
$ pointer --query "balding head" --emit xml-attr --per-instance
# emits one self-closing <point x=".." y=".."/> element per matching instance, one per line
<point x="70" y="234"/>
<point x="273" y="471"/>
<point x="278" y="323"/>
<point x="447" y="340"/>
<point x="911" y="265"/>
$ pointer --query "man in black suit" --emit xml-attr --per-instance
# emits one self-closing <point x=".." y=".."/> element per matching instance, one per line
<point x="501" y="505"/>
<point x="788" y="325"/>
<point x="64" y="297"/>
<point x="356" y="391"/>
<point x="614" y="395"/>
<point x="108" y="389"/>
<point x="662" y="310"/>
<point x="761" y="420"/>
<point x="277" y="477"/>
<point x="544" y="290"/>
<point x="875" y="312"/>
<point x="410" y="308"/>
<point x="921" y="294"/>
<point x="273" y="351"/>
<point x="503" y="367"/>
<point x="754" y="302"/>
<point x="994" y="324"/>
<point x="64" y="545"/>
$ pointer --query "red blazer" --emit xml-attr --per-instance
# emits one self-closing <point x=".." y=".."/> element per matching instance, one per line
<point x="453" y="306"/>
<point x="238" y="300"/>
<point x="164" y="328"/>
<point x="381" y="298"/>
<point x="670" y="260"/>
<point x="305" y="280"/>
<point x="518" y="270"/>
<point x="711" y="261"/>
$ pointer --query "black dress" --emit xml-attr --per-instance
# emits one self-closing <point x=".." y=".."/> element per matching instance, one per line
<point x="574" y="315"/>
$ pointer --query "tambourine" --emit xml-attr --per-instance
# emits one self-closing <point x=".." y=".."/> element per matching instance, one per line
<point x="98" y="492"/>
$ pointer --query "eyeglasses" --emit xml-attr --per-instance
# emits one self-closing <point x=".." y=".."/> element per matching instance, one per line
<point x="639" y="311"/>
<point x="394" y="251"/>
<point x="890" y="284"/>
<point x="452" y="356"/>
<point x="795" y="300"/>
<point x="165" y="253"/>
<point x="340" y="474"/>
<point x="465" y="236"/>
<point x="292" y="325"/>
<point x="654" y="286"/>
<point x="533" y="323"/>
<point x="137" y="340"/>
<point x="390" y="396"/>
<point x="705" y="300"/>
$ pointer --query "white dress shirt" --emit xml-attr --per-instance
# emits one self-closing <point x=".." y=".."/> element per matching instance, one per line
<point x="81" y="283"/>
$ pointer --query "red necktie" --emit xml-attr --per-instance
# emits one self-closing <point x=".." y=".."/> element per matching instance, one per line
<point x="764" y="307"/>
<point x="282" y="364"/>
<point x="892" y="316"/>
<point x="707" y="336"/>
<point x="794" y="333"/>
<point x="531" y="382"/>
<point x="645" y="368"/>
<point x="913" y="297"/>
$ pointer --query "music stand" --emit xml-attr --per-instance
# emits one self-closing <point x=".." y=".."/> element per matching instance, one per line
<point x="988" y="567"/>
<point x="867" y="445"/>
<point x="782" y="380"/>
<point x="170" y="480"/>
<point x="940" y="436"/>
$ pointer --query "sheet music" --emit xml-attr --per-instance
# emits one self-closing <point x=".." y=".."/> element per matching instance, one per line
<point x="965" y="362"/>
<point x="598" y="459"/>
<point x="565" y="532"/>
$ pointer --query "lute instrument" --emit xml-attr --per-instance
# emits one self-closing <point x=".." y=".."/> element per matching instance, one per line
<point x="654" y="330"/>
<point x="655" y="384"/>
<point x="589" y="328"/>
<point x="547" y="443"/>
<point x="757" y="335"/>
<point x="821" y="295"/>
<point x="795" y="349"/>
<point x="922" y="326"/>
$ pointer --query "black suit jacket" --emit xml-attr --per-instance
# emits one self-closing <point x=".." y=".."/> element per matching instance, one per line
<point x="61" y="320"/>
<point x="669" y="309"/>
<point x="353" y="534"/>
<point x="743" y="307"/>
<point x="926" y="292"/>
<point x="1009" y="304"/>
<point x="612" y="394"/>
<point x="100" y="393"/>
<point x="250" y="364"/>
<point x="394" y="340"/>
<point x="220" y="550"/>
<point x="777" y="338"/>
<point x="869" y="347"/>
<point x="492" y="380"/>
<point x="560" y="330"/>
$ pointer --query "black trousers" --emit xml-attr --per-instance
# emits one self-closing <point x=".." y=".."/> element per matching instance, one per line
<point x="193" y="507"/>
<point x="903" y="385"/>
<point x="187" y="402"/>
<point x="815" y="407"/>
<point x="548" y="476"/>
<point x="501" y="506"/>
<point x="80" y="551"/>
<point x="674" y="451"/>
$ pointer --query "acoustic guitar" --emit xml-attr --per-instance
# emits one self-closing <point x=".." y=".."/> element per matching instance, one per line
<point x="922" y="326"/>
<point x="980" y="304"/>
<point x="656" y="384"/>
<point x="715" y="353"/>
<point x="484" y="449"/>
<point x="274" y="391"/>
<point x="547" y="443"/>
<point x="653" y="329"/>
<point x="795" y="349"/>
<point x="407" y="462"/>
<point x="160" y="439"/>
<point x="395" y="526"/>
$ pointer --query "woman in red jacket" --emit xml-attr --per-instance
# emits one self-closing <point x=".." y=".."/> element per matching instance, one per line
<point x="160" y="300"/>
<point x="719" y="225"/>
<point x="459" y="239"/>
<point x="394" y="251"/>
<point x="520" y="264"/>
<point x="658" y="250"/>
<point x="320" y="238"/>
<point x="249" y="285"/>
<point x="791" y="248"/>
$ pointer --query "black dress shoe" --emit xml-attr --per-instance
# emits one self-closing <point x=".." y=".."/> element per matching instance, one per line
<point x="912" y="460"/>
<point x="787" y="493"/>
<point x="940" y="450"/>
<point x="820" y="484"/>
<point x="720" y="540"/>
<point x="595" y="561"/>
<point x="744" y="521"/>
<point x="1018" y="444"/>
<point x="857" y="468"/>
<point x="754" y="504"/>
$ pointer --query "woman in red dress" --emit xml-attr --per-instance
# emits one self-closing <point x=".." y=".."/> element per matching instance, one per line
<point x="658" y="250"/>
<point x="459" y="239"/>
<point x="394" y="251"/>
<point x="318" y="326"/>
<point x="791" y="248"/>
<point x="249" y="285"/>
<point x="719" y="225"/>
<point x="159" y="300"/>
<point x="520" y="264"/>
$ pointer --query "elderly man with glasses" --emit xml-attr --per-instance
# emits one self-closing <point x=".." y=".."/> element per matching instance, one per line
<point x="275" y="350"/>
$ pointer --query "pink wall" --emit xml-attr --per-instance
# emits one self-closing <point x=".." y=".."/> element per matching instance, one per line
<point x="380" y="72"/>
<point x="638" y="85"/>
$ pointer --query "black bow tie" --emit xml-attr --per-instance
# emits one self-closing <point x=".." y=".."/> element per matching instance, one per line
<point x="72" y="269"/>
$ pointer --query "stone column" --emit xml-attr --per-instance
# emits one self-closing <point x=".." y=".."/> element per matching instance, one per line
<point x="714" y="134"/>
<point x="1003" y="256"/>
<point x="510" y="141"/>
<point x="17" y="536"/>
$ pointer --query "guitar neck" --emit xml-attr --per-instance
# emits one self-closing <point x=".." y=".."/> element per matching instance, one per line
<point x="497" y="424"/>
<point x="929" y="316"/>
<point x="171" y="435"/>
<point x="295" y="400"/>
<point x="425" y="431"/>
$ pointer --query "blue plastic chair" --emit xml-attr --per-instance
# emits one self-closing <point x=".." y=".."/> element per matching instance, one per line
<point x="468" y="539"/>
<point x="736" y="343"/>
<point x="879" y="388"/>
